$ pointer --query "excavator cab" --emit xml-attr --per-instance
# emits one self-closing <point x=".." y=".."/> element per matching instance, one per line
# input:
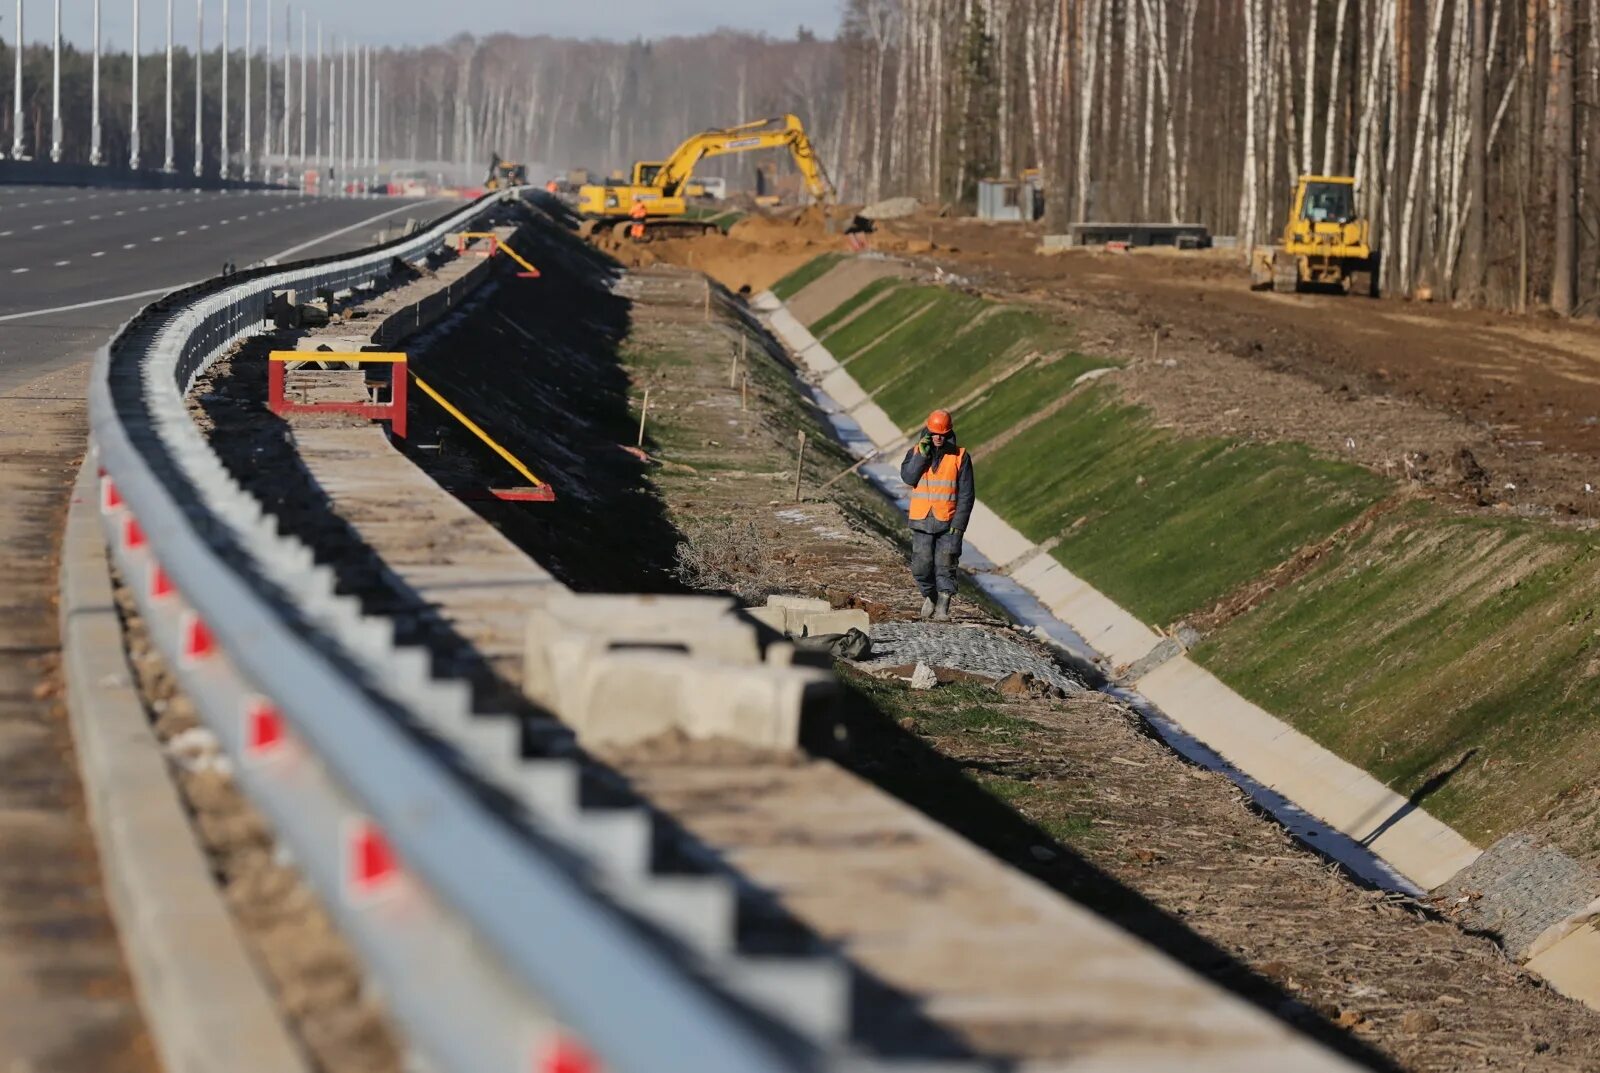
<point x="504" y="174"/>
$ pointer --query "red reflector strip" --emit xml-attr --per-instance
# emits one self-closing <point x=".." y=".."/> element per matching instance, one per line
<point x="565" y="1055"/>
<point x="370" y="861"/>
<point x="263" y="729"/>
<point x="132" y="535"/>
<point x="110" y="498"/>
<point x="160" y="583"/>
<point x="197" y="641"/>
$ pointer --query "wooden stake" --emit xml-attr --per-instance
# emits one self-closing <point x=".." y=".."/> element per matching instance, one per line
<point x="644" y="412"/>
<point x="744" y="392"/>
<point x="1155" y="346"/>
<point x="799" y="465"/>
<point x="708" y="299"/>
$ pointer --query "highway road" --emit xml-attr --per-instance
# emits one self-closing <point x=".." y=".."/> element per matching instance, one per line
<point x="76" y="263"/>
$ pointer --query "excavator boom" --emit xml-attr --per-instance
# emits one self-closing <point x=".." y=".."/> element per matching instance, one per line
<point x="663" y="185"/>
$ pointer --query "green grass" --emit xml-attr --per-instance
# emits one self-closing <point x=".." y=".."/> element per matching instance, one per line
<point x="1019" y="396"/>
<point x="813" y="270"/>
<point x="1162" y="524"/>
<point x="1429" y="637"/>
<point x="826" y="323"/>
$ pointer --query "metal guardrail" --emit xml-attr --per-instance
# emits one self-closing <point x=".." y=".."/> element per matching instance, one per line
<point x="507" y="926"/>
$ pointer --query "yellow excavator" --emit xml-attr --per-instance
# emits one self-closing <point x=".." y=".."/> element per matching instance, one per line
<point x="1325" y="243"/>
<point x="662" y="186"/>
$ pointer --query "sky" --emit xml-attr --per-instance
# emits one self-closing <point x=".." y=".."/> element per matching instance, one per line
<point x="408" y="22"/>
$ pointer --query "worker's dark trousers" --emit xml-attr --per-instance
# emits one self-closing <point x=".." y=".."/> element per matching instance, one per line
<point x="933" y="561"/>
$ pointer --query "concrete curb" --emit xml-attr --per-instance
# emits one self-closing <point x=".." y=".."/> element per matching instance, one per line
<point x="204" y="1003"/>
<point x="1266" y="749"/>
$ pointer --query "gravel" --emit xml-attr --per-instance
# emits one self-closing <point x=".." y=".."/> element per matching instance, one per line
<point x="971" y="649"/>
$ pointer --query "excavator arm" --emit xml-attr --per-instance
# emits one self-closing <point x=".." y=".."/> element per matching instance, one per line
<point x="783" y="132"/>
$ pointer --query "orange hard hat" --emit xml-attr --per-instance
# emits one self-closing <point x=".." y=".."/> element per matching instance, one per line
<point x="939" y="422"/>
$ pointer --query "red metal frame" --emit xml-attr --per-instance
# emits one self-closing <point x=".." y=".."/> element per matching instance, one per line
<point x="393" y="411"/>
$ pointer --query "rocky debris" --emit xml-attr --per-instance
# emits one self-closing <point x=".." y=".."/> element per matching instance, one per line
<point x="1517" y="889"/>
<point x="987" y="653"/>
<point x="923" y="677"/>
<point x="894" y="208"/>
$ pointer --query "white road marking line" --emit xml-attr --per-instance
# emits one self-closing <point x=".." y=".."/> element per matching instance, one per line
<point x="156" y="238"/>
<point x="18" y="271"/>
<point x="5" y="234"/>
<point x="120" y="212"/>
<point x="129" y="245"/>
<point x="96" y="216"/>
<point x="96" y="302"/>
<point x="144" y="208"/>
<point x="68" y="223"/>
<point x="98" y="253"/>
<point x="203" y="227"/>
<point x="40" y="227"/>
<point x="62" y="264"/>
<point x="183" y="231"/>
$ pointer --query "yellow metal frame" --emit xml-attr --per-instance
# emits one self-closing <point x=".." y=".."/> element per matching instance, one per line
<point x="477" y="431"/>
<point x="387" y="357"/>
<point x="517" y="257"/>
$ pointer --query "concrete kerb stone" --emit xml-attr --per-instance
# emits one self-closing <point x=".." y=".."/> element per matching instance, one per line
<point x="204" y="1003"/>
<point x="1568" y="955"/>
<point x="621" y="669"/>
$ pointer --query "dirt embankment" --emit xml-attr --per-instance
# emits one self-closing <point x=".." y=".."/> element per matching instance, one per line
<point x="1495" y="410"/>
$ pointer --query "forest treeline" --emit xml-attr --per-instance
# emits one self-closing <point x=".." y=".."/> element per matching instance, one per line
<point x="1471" y="126"/>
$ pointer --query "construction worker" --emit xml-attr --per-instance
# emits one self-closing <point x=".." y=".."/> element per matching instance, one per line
<point x="552" y="188"/>
<point x="939" y="472"/>
<point x="637" y="215"/>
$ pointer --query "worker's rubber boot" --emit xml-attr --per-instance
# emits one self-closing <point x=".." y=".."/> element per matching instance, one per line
<point x="941" y="610"/>
<point x="927" y="608"/>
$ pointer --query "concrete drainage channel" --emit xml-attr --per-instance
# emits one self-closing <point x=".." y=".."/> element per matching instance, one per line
<point x="1325" y="802"/>
<point x="591" y="936"/>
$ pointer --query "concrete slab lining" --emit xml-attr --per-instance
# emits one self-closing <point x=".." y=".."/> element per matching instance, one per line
<point x="1264" y="748"/>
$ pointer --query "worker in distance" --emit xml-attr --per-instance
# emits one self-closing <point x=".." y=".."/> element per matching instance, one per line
<point x="939" y="471"/>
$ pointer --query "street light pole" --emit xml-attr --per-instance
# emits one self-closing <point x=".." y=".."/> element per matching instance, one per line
<point x="266" y="104"/>
<point x="94" y="98"/>
<point x="288" y="73"/>
<point x="199" y="99"/>
<point x="55" y="92"/>
<point x="303" y="97"/>
<point x="133" y="121"/>
<point x="344" y="120"/>
<point x="249" y="62"/>
<point x="168" y="165"/>
<point x="221" y="154"/>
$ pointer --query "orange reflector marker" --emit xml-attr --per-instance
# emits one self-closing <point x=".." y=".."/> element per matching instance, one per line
<point x="263" y="730"/>
<point x="197" y="642"/>
<point x="565" y="1055"/>
<point x="132" y="535"/>
<point x="160" y="583"/>
<point x="370" y="862"/>
<point x="110" y="498"/>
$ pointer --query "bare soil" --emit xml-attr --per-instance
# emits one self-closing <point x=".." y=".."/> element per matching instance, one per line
<point x="66" y="1001"/>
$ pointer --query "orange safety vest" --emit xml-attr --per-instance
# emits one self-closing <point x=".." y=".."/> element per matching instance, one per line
<point x="935" y="494"/>
<point x="639" y="212"/>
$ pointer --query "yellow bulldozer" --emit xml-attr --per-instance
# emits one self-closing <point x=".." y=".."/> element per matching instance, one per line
<point x="504" y="174"/>
<point x="1325" y="243"/>
<point x="663" y="187"/>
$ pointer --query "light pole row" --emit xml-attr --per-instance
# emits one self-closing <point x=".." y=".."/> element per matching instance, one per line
<point x="347" y="105"/>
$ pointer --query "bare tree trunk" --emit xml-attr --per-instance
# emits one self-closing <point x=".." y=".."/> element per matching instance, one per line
<point x="1248" y="199"/>
<point x="1333" y="89"/>
<point x="1408" y="233"/>
<point x="1564" y="281"/>
<point x="1093" y="10"/>
<point x="1307" y="136"/>
<point x="1473" y="263"/>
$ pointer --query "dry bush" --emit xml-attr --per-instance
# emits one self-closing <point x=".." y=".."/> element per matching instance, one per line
<point x="730" y="557"/>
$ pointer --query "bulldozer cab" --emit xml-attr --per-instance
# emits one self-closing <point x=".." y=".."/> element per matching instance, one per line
<point x="1327" y="202"/>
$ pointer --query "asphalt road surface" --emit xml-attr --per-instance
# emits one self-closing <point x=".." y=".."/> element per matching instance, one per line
<point x="74" y="265"/>
<point x="77" y="263"/>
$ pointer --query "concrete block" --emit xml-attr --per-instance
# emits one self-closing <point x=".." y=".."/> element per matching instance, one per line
<point x="878" y="426"/>
<point x="799" y="603"/>
<point x="843" y="387"/>
<point x="572" y="630"/>
<point x="1571" y="959"/>
<point x="772" y="617"/>
<point x="818" y="359"/>
<point x="622" y="697"/>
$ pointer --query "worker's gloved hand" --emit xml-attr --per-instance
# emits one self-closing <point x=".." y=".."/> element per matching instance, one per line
<point x="925" y="445"/>
<point x="955" y="535"/>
